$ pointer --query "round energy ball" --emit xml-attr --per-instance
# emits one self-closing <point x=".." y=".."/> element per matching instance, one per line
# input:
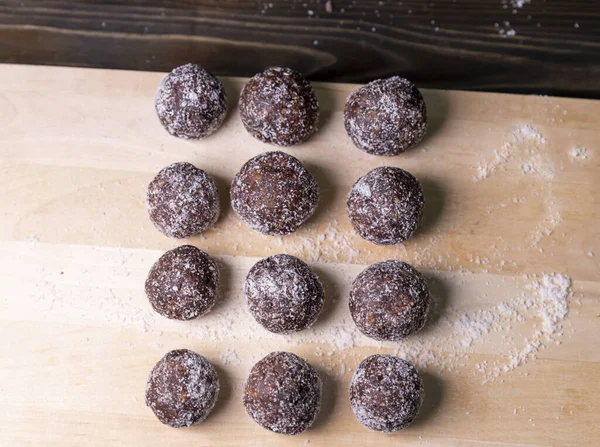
<point x="279" y="106"/>
<point x="182" y="388"/>
<point x="283" y="294"/>
<point x="385" y="205"/>
<point x="385" y="393"/>
<point x="183" y="283"/>
<point x="283" y="393"/>
<point x="386" y="117"/>
<point x="389" y="301"/>
<point x="190" y="102"/>
<point x="274" y="193"/>
<point x="182" y="200"/>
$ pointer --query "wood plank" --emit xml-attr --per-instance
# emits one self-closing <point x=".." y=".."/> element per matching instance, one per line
<point x="77" y="149"/>
<point x="544" y="47"/>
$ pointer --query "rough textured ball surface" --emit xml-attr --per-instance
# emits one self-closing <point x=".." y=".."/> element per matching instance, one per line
<point x="183" y="283"/>
<point x="182" y="388"/>
<point x="389" y="301"/>
<point x="274" y="194"/>
<point x="385" y="205"/>
<point x="283" y="393"/>
<point x="283" y="294"/>
<point x="279" y="106"/>
<point x="386" y="117"/>
<point x="190" y="102"/>
<point x="385" y="393"/>
<point x="182" y="200"/>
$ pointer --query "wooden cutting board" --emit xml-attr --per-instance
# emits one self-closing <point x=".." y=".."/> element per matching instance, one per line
<point x="510" y="237"/>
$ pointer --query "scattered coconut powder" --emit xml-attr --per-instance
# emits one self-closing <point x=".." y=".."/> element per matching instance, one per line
<point x="524" y="151"/>
<point x="544" y="302"/>
<point x="536" y="304"/>
<point x="453" y="338"/>
<point x="524" y="147"/>
<point x="230" y="357"/>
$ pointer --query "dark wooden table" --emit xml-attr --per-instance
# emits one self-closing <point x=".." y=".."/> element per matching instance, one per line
<point x="525" y="46"/>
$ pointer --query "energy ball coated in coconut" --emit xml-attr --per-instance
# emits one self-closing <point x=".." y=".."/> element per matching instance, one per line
<point x="190" y="102"/>
<point x="182" y="200"/>
<point x="279" y="106"/>
<point x="283" y="393"/>
<point x="274" y="194"/>
<point x="386" y="117"/>
<point x="182" y="388"/>
<point x="283" y="294"/>
<point x="183" y="283"/>
<point x="389" y="301"/>
<point x="385" y="205"/>
<point x="385" y="393"/>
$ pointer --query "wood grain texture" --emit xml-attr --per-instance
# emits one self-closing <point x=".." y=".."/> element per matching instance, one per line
<point x="452" y="44"/>
<point x="79" y="146"/>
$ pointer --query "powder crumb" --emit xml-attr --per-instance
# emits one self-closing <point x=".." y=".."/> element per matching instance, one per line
<point x="485" y="169"/>
<point x="554" y="290"/>
<point x="590" y="254"/>
<point x="523" y="147"/>
<point x="230" y="357"/>
<point x="525" y="132"/>
<point x="517" y="3"/>
<point x="578" y="153"/>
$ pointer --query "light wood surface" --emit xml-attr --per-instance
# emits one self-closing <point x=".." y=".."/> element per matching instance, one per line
<point x="78" y="338"/>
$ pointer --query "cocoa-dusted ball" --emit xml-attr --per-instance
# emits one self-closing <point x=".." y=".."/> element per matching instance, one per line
<point x="385" y="205"/>
<point x="182" y="388"/>
<point x="385" y="393"/>
<point x="279" y="106"/>
<point x="389" y="300"/>
<point x="283" y="393"/>
<point x="386" y="117"/>
<point x="274" y="194"/>
<point x="190" y="102"/>
<point x="182" y="200"/>
<point x="283" y="294"/>
<point x="183" y="283"/>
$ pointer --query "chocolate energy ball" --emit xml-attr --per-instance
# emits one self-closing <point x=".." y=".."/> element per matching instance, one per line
<point x="389" y="300"/>
<point x="283" y="293"/>
<point x="386" y="117"/>
<point x="182" y="200"/>
<point x="274" y="194"/>
<point x="182" y="388"/>
<point x="190" y="102"/>
<point x="283" y="393"/>
<point x="385" y="205"/>
<point x="385" y="393"/>
<point x="279" y="106"/>
<point x="183" y="283"/>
